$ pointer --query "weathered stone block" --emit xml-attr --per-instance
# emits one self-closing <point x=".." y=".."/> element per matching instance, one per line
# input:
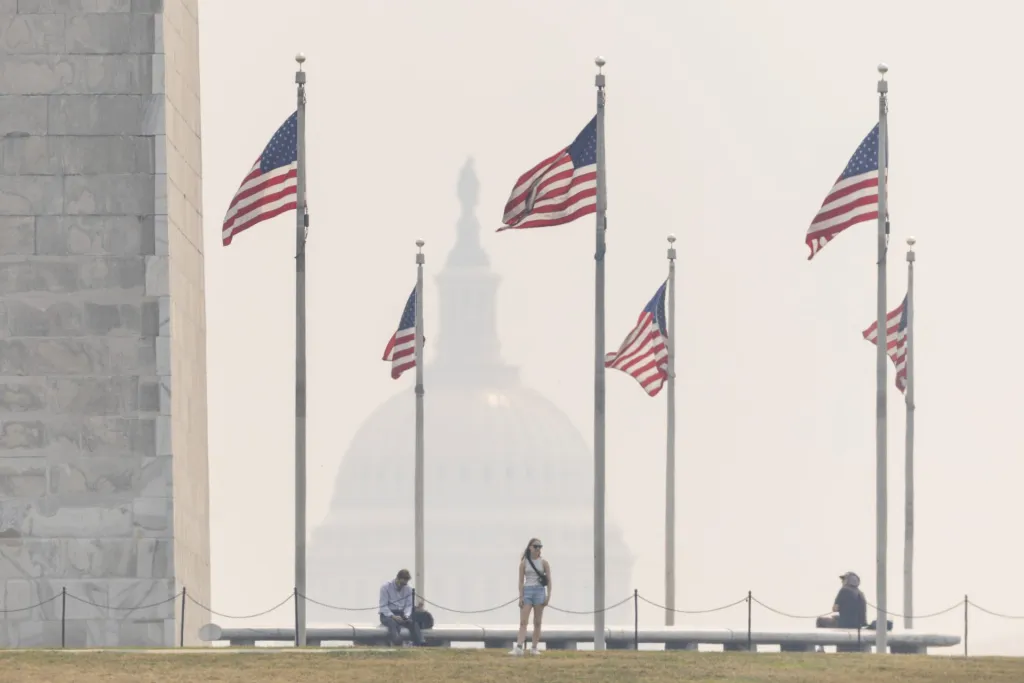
<point x="87" y="558"/>
<point x="98" y="33"/>
<point x="29" y="558"/>
<point x="107" y="154"/>
<point x="113" y="319"/>
<point x="39" y="357"/>
<point x="114" y="235"/>
<point x="117" y="194"/>
<point x="104" y="476"/>
<point x="93" y="395"/>
<point x="41" y="74"/>
<point x="155" y="558"/>
<point x="38" y="276"/>
<point x="21" y="594"/>
<point x="149" y="395"/>
<point x="102" y="633"/>
<point x="139" y="633"/>
<point x="119" y="436"/>
<point x="41" y="319"/>
<point x="104" y="114"/>
<point x="79" y="522"/>
<point x="163" y="435"/>
<point x="85" y="599"/>
<point x="22" y="395"/>
<point x="29" y="155"/>
<point x="28" y="195"/>
<point x="156" y="477"/>
<point x="72" y="6"/>
<point x="130" y="356"/>
<point x="152" y="517"/>
<point x="22" y="477"/>
<point x="31" y="634"/>
<point x="148" y="6"/>
<point x="150" y="314"/>
<point x="31" y="33"/>
<point x="22" y="115"/>
<point x="17" y="235"/>
<point x="21" y="435"/>
<point x="63" y="435"/>
<point x="157" y="276"/>
<point x="112" y="272"/>
<point x="147" y="599"/>
<point x="143" y="36"/>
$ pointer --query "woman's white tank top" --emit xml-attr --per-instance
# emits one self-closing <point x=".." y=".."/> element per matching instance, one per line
<point x="531" y="578"/>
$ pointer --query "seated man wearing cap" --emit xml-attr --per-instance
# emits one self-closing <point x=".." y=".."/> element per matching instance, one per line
<point x="851" y="606"/>
<point x="395" y="606"/>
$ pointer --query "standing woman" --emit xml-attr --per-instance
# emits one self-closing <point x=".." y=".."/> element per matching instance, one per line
<point x="534" y="593"/>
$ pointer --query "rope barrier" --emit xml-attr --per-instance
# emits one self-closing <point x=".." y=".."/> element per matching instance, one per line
<point x="754" y="600"/>
<point x="990" y="612"/>
<point x="609" y="607"/>
<point x="919" y="616"/>
<point x="30" y="607"/>
<point x="699" y="611"/>
<point x="249" y="616"/>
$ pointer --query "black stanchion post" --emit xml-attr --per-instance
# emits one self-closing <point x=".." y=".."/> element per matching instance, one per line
<point x="295" y="599"/>
<point x="967" y="604"/>
<point x="636" y="619"/>
<point x="63" y="613"/>
<point x="184" y="595"/>
<point x="750" y="620"/>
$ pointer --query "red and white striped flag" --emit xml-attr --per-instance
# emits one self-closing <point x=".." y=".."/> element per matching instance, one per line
<point x="853" y="198"/>
<point x="269" y="187"/>
<point x="643" y="355"/>
<point x="895" y="341"/>
<point x="559" y="189"/>
<point x="401" y="348"/>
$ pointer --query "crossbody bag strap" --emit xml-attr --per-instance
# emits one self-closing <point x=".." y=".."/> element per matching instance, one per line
<point x="539" y="572"/>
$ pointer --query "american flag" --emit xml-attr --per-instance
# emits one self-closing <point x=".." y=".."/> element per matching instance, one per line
<point x="895" y="341"/>
<point x="269" y="188"/>
<point x="853" y="199"/>
<point x="644" y="354"/>
<point x="401" y="348"/>
<point x="559" y="189"/>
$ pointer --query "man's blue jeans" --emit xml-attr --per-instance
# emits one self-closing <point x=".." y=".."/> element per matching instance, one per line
<point x="395" y="629"/>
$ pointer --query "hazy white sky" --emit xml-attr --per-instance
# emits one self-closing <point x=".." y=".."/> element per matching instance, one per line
<point x="727" y="123"/>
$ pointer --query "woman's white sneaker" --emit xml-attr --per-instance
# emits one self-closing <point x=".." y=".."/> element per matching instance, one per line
<point x="516" y="651"/>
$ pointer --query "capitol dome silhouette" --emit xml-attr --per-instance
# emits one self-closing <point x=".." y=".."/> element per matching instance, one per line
<point x="501" y="464"/>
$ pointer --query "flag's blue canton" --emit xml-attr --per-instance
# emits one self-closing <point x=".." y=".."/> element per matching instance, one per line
<point x="283" y="148"/>
<point x="903" y="317"/>
<point x="409" y="314"/>
<point x="865" y="159"/>
<point x="583" y="150"/>
<point x="656" y="307"/>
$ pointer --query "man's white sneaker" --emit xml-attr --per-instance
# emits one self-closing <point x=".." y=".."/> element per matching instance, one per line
<point x="534" y="651"/>
<point x="516" y="651"/>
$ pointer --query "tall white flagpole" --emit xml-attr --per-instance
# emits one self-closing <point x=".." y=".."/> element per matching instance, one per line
<point x="420" y="570"/>
<point x="599" y="389"/>
<point x="670" y="446"/>
<point x="908" y="537"/>
<point x="881" y="463"/>
<point x="301" y="225"/>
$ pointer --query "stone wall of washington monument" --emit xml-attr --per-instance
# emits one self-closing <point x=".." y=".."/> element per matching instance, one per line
<point x="103" y="441"/>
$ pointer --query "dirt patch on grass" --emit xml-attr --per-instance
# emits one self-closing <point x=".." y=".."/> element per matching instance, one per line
<point x="476" y="666"/>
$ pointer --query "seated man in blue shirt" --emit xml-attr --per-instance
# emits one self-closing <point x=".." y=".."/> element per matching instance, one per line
<point x="396" y="609"/>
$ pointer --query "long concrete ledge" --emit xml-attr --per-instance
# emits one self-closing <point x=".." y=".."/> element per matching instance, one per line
<point x="616" y="637"/>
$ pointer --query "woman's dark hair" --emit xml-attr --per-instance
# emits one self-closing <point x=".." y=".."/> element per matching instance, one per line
<point x="526" y="553"/>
